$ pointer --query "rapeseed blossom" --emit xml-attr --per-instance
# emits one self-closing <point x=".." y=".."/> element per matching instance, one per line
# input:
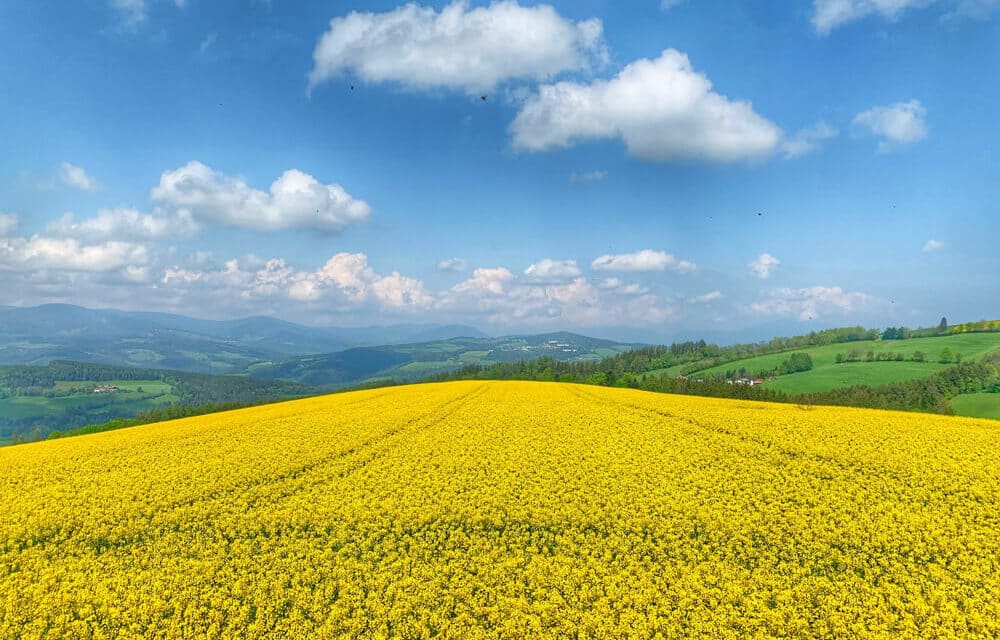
<point x="507" y="509"/>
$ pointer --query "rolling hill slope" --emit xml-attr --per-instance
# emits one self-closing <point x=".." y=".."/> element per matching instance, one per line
<point x="507" y="509"/>
<point x="827" y="374"/>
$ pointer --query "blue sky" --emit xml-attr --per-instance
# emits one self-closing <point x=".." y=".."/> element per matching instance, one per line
<point x="211" y="158"/>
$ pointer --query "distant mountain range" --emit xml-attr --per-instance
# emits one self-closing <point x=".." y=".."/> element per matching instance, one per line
<point x="413" y="361"/>
<point x="261" y="358"/>
<point x="267" y="347"/>
<point x="38" y="335"/>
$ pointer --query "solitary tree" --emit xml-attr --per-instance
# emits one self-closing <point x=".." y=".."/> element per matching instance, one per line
<point x="943" y="325"/>
<point x="919" y="356"/>
<point x="945" y="356"/>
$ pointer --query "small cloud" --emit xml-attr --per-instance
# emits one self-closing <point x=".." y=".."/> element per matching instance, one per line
<point x="933" y="245"/>
<point x="8" y="224"/>
<point x="207" y="43"/>
<point x="705" y="298"/>
<point x="548" y="270"/>
<point x="74" y="176"/>
<point x="133" y="12"/>
<point x="452" y="264"/>
<point x="764" y="265"/>
<point x="587" y="176"/>
<point x="831" y="14"/>
<point x="805" y="141"/>
<point x="898" y="125"/>
<point x="610" y="283"/>
<point x="645" y="260"/>
<point x="667" y="5"/>
<point x="615" y="285"/>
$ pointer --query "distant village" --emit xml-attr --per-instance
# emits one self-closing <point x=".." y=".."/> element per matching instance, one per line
<point x="750" y="382"/>
<point x="106" y="388"/>
<point x="747" y="381"/>
<point x="551" y="345"/>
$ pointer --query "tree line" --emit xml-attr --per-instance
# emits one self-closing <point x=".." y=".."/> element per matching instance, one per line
<point x="857" y="355"/>
<point x="932" y="394"/>
<point x="191" y="389"/>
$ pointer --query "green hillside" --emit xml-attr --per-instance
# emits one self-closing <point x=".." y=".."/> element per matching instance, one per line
<point x="35" y="400"/>
<point x="977" y="405"/>
<point x="827" y="374"/>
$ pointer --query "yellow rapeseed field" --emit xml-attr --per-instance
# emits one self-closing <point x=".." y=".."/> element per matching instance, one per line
<point x="507" y="510"/>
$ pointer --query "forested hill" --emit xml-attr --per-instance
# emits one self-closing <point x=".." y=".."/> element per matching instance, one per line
<point x="900" y="368"/>
<point x="35" y="400"/>
<point x="409" y="362"/>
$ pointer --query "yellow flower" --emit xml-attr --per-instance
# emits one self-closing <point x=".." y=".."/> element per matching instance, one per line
<point x="506" y="509"/>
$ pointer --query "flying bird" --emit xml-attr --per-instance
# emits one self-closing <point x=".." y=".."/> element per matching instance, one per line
<point x="483" y="98"/>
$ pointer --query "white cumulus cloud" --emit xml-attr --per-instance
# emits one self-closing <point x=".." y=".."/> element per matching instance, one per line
<point x="400" y="292"/>
<point x="501" y="297"/>
<point x="485" y="281"/>
<point x="124" y="223"/>
<point x="463" y="48"/>
<point x="295" y="200"/>
<point x="809" y="303"/>
<point x="662" y="109"/>
<point x="933" y="245"/>
<point x="346" y="282"/>
<point x="548" y="270"/>
<point x="645" y="260"/>
<point x="74" y="176"/>
<point x="897" y="125"/>
<point x="764" y="265"/>
<point x="69" y="254"/>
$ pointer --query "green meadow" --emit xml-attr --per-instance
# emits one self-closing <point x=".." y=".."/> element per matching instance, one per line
<point x="827" y="374"/>
<point x="977" y="405"/>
